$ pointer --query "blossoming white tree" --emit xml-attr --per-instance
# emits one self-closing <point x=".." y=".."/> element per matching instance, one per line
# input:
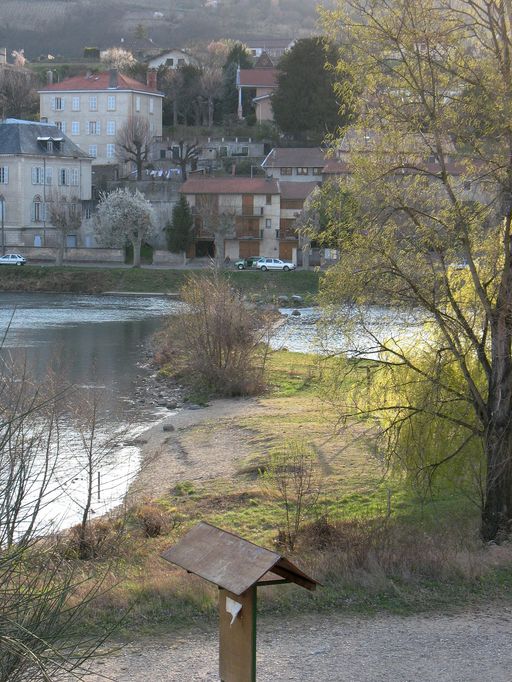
<point x="123" y="217"/>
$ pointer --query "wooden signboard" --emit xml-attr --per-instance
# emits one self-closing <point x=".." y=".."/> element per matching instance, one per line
<point x="237" y="640"/>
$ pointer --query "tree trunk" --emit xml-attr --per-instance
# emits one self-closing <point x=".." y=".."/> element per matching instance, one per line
<point x="497" y="511"/>
<point x="59" y="258"/>
<point x="137" y="245"/>
<point x="210" y="112"/>
<point x="175" y="112"/>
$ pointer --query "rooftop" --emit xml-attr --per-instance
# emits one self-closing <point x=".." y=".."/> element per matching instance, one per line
<point x="230" y="185"/>
<point x="27" y="137"/>
<point x="257" y="78"/>
<point x="286" y="157"/>
<point x="105" y="80"/>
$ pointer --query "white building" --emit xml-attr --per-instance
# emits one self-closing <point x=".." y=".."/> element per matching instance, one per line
<point x="91" y="109"/>
<point x="39" y="164"/>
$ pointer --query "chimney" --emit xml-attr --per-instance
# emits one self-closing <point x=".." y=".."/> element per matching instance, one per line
<point x="49" y="77"/>
<point x="151" y="79"/>
<point x="3" y="55"/>
<point x="112" y="78"/>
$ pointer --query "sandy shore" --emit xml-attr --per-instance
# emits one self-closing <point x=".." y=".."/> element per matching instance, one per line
<point x="191" y="444"/>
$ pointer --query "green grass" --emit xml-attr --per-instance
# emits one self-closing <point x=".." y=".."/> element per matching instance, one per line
<point x="266" y="286"/>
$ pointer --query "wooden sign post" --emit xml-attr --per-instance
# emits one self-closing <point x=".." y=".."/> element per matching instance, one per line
<point x="238" y="567"/>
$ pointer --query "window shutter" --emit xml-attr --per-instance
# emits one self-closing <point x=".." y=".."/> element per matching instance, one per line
<point x="34" y="175"/>
<point x="53" y="103"/>
<point x="49" y="175"/>
<point x="43" y="212"/>
<point x="98" y="127"/>
<point x="33" y="212"/>
<point x="6" y="175"/>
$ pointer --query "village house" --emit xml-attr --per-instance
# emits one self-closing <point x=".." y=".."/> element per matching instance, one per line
<point x="295" y="164"/>
<point x="38" y="165"/>
<point x="90" y="109"/>
<point x="173" y="59"/>
<point x="257" y="215"/>
<point x="259" y="84"/>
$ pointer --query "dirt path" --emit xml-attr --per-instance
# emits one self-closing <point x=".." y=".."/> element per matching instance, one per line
<point x="463" y="647"/>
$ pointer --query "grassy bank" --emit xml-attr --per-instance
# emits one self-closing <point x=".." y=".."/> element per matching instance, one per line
<point x="33" y="278"/>
<point x="373" y="544"/>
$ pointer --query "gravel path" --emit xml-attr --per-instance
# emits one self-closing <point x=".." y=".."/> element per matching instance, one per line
<point x="462" y="647"/>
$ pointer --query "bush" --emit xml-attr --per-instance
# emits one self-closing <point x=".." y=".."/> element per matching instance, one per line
<point x="218" y="344"/>
<point x="153" y="519"/>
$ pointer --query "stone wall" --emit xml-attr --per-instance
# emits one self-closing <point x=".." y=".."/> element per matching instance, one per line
<point x="75" y="255"/>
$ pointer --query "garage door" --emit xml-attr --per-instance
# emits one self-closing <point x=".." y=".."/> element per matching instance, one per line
<point x="286" y="250"/>
<point x="249" y="248"/>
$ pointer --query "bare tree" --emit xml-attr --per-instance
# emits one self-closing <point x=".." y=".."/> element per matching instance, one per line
<point x="66" y="217"/>
<point x="18" y="97"/>
<point x="188" y="153"/>
<point x="39" y="633"/>
<point x="211" y="87"/>
<point x="133" y="143"/>
<point x="218" y="220"/>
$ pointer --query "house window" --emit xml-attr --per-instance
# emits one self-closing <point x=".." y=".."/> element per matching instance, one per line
<point x="49" y="175"/>
<point x="111" y="151"/>
<point x="93" y="127"/>
<point x="277" y="234"/>
<point x="75" y="128"/>
<point x="268" y="223"/>
<point x="181" y="62"/>
<point x="88" y="212"/>
<point x="75" y="177"/>
<point x="268" y="199"/>
<point x="151" y="105"/>
<point x="137" y="103"/>
<point x="302" y="170"/>
<point x="49" y="146"/>
<point x="37" y="175"/>
<point x="71" y="241"/>
<point x="111" y="127"/>
<point x="111" y="103"/>
<point x="38" y="210"/>
<point x="75" y="104"/>
<point x="58" y="103"/>
<point x="286" y="171"/>
<point x="4" y="175"/>
<point x="63" y="176"/>
<point x="93" y="150"/>
<point x="169" y="62"/>
<point x="93" y="103"/>
<point x="61" y="125"/>
<point x="317" y="171"/>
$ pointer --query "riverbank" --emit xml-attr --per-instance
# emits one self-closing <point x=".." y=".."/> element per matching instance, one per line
<point x="90" y="280"/>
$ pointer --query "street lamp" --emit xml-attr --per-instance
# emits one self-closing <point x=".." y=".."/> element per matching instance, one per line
<point x="2" y="213"/>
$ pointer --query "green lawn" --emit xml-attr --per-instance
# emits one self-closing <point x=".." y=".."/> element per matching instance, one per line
<point x="263" y="285"/>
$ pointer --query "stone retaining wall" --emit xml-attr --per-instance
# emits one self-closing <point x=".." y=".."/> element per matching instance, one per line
<point x="75" y="255"/>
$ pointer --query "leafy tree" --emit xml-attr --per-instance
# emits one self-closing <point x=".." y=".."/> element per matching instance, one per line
<point x="310" y="101"/>
<point x="117" y="58"/>
<point x="123" y="217"/>
<point x="444" y="395"/>
<point x="133" y="143"/>
<point x="180" y="232"/>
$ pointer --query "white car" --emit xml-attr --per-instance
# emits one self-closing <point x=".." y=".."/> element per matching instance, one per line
<point x="275" y="264"/>
<point x="12" y="259"/>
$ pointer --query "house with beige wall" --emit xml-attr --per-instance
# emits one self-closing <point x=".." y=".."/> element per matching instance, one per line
<point x="90" y="109"/>
<point x="38" y="165"/>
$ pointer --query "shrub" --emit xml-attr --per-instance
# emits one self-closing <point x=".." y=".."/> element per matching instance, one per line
<point x="218" y="344"/>
<point x="153" y="519"/>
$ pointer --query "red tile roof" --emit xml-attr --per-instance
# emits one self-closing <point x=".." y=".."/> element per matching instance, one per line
<point x="258" y="78"/>
<point x="230" y="185"/>
<point x="98" y="81"/>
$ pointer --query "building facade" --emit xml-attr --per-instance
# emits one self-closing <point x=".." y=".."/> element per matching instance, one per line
<point x="39" y="165"/>
<point x="91" y="109"/>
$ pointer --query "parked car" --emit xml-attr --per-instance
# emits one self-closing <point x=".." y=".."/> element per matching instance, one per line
<point x="12" y="259"/>
<point x="245" y="263"/>
<point x="275" y="264"/>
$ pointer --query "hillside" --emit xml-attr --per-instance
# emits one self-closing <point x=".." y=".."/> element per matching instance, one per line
<point x="65" y="27"/>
